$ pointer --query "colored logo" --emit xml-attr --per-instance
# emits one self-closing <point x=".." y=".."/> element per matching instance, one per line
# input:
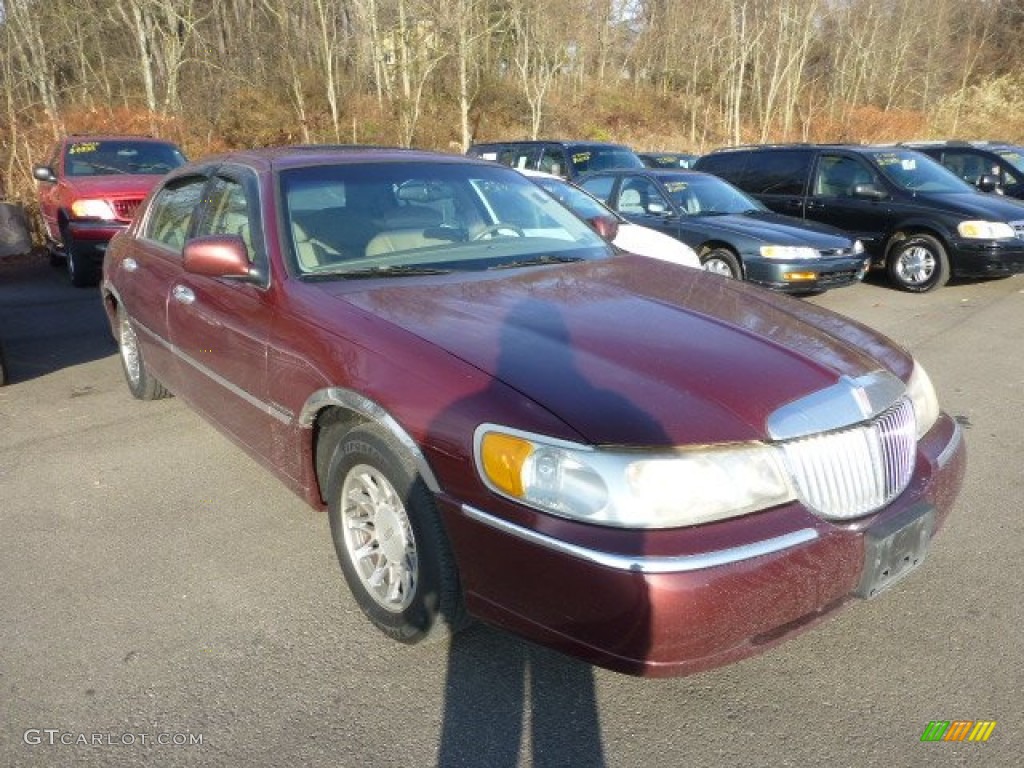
<point x="958" y="730"/>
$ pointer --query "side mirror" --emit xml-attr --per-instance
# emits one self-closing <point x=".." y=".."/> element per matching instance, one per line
<point x="868" y="191"/>
<point x="606" y="226"/>
<point x="657" y="208"/>
<point x="220" y="256"/>
<point x="43" y="173"/>
<point x="988" y="183"/>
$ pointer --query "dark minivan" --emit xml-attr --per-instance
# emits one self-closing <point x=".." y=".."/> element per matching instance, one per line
<point x="916" y="218"/>
<point x="568" y="159"/>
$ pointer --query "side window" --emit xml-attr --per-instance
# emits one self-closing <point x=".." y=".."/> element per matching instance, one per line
<point x="637" y="194"/>
<point x="600" y="187"/>
<point x="837" y="175"/>
<point x="228" y="212"/>
<point x="725" y="165"/>
<point x="170" y="214"/>
<point x="782" y="172"/>
<point x="967" y="165"/>
<point x="553" y="161"/>
<point x="519" y="156"/>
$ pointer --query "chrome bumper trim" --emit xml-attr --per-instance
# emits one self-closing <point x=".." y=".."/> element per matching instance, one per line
<point x="951" y="447"/>
<point x="640" y="564"/>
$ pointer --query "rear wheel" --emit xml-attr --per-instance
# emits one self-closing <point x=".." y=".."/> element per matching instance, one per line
<point x="141" y="383"/>
<point x="389" y="539"/>
<point x="722" y="261"/>
<point x="918" y="264"/>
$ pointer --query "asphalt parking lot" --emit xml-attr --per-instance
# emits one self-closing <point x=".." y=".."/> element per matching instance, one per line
<point x="166" y="601"/>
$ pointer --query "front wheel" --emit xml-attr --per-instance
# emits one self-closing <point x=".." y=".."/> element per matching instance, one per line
<point x="918" y="264"/>
<point x="722" y="261"/>
<point x="389" y="539"/>
<point x="82" y="269"/>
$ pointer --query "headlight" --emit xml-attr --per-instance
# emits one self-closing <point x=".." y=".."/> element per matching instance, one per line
<point x="985" y="230"/>
<point x="858" y="247"/>
<point x="92" y="209"/>
<point x="788" y="252"/>
<point x="631" y="489"/>
<point x="925" y="401"/>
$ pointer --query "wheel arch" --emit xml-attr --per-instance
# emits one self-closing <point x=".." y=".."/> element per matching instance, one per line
<point x="337" y="405"/>
<point x="902" y="233"/>
<point x="711" y="245"/>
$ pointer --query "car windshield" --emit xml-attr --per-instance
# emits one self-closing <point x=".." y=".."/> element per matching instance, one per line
<point x="574" y="198"/>
<point x="586" y="159"/>
<point x="701" y="194"/>
<point x="1013" y="155"/>
<point x="100" y="158"/>
<point x="915" y="172"/>
<point x="393" y="219"/>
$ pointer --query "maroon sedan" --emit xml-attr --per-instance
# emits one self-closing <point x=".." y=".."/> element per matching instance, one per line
<point x="646" y="466"/>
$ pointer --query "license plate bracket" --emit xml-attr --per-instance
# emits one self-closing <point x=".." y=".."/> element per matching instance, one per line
<point x="894" y="548"/>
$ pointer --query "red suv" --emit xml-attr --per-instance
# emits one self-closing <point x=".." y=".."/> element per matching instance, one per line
<point x="89" y="190"/>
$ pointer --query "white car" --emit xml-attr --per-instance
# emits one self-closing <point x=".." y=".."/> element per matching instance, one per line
<point x="622" y="233"/>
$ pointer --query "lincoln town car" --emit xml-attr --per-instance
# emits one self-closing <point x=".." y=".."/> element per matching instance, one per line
<point x="652" y="468"/>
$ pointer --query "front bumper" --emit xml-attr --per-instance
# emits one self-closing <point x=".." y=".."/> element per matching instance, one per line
<point x="676" y="602"/>
<point x="97" y="233"/>
<point x="805" y="276"/>
<point x="986" y="258"/>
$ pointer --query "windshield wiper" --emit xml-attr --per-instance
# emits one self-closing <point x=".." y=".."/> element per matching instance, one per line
<point x="538" y="260"/>
<point x="394" y="270"/>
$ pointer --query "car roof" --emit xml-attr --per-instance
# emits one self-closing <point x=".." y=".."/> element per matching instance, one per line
<point x="77" y="137"/>
<point x="803" y="145"/>
<point x="539" y="142"/>
<point x="303" y="155"/>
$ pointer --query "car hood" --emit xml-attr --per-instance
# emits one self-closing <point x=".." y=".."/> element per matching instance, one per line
<point x="776" y="229"/>
<point x="114" y="185"/>
<point x="976" y="205"/>
<point x="654" y="244"/>
<point x="633" y="351"/>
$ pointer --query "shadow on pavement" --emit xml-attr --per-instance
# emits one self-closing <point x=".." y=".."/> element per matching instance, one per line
<point x="506" y="699"/>
<point x="45" y="323"/>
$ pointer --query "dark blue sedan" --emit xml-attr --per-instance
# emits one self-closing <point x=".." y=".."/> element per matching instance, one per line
<point x="733" y="234"/>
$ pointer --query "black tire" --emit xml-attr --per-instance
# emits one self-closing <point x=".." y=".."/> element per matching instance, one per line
<point x="141" y="383"/>
<point x="386" y="529"/>
<point x="722" y="261"/>
<point x="918" y="264"/>
<point x="82" y="268"/>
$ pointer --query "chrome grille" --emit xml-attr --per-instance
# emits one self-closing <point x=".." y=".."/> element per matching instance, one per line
<point x="854" y="471"/>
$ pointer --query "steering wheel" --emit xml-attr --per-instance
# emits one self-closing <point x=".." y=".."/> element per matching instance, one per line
<point x="498" y="229"/>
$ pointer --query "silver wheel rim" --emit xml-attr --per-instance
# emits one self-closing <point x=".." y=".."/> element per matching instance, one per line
<point x="718" y="267"/>
<point x="378" y="537"/>
<point x="130" y="352"/>
<point x="915" y="265"/>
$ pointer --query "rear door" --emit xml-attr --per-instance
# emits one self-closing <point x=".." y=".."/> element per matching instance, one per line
<point x="778" y="178"/>
<point x="145" y="278"/>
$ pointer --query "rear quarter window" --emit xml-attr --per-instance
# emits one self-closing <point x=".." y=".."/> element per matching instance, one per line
<point x="777" y="173"/>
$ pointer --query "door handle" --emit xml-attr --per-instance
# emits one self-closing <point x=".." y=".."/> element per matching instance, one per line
<point x="183" y="295"/>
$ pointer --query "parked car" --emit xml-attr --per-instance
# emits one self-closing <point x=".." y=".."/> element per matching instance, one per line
<point x="668" y="159"/>
<point x="89" y="189"/>
<point x="614" y="227"/>
<point x="639" y="464"/>
<point x="916" y="219"/>
<point x="989" y="166"/>
<point x="568" y="159"/>
<point x="732" y="233"/>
